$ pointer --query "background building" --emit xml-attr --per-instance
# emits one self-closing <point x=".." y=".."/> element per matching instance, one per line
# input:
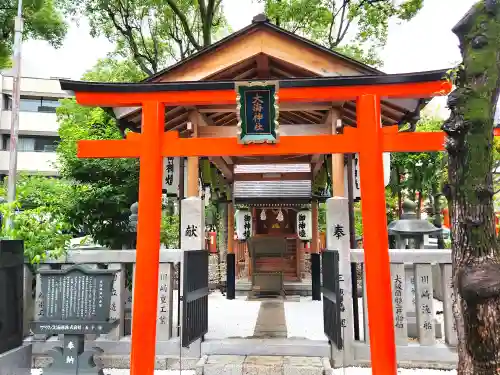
<point x="38" y="125"/>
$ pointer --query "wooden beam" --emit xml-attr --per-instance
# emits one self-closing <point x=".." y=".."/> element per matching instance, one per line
<point x="228" y="160"/>
<point x="316" y="163"/>
<point x="232" y="71"/>
<point x="203" y="122"/>
<point x="337" y="167"/>
<point x="285" y="130"/>
<point x="262" y="66"/>
<point x="316" y="158"/>
<point x="289" y="176"/>
<point x="222" y="166"/>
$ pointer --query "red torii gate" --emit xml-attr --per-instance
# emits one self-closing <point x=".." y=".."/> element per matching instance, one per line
<point x="368" y="139"/>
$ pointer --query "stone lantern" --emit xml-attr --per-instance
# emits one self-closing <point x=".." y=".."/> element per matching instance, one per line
<point x="134" y="208"/>
<point x="409" y="233"/>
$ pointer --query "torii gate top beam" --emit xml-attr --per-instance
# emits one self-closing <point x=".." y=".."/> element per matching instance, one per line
<point x="409" y="85"/>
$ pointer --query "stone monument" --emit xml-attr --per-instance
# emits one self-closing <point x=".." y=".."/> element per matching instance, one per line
<point x="409" y="233"/>
<point x="76" y="302"/>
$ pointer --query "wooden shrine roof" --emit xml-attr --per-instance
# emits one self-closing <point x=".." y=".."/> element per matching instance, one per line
<point x="296" y="184"/>
<point x="263" y="51"/>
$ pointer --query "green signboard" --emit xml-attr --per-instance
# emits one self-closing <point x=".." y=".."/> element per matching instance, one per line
<point x="257" y="110"/>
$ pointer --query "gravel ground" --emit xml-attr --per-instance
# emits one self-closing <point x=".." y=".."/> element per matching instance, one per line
<point x="343" y="371"/>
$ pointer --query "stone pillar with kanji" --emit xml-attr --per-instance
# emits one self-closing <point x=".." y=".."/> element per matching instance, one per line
<point x="337" y="238"/>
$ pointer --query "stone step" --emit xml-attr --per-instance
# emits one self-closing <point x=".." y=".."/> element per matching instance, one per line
<point x="261" y="365"/>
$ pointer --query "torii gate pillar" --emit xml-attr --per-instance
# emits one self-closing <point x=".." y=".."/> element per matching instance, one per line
<point x="375" y="239"/>
<point x="148" y="234"/>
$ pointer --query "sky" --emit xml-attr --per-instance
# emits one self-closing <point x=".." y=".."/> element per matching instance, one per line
<point x="424" y="43"/>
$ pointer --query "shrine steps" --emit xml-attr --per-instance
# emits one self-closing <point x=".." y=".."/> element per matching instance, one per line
<point x="117" y="354"/>
<point x="292" y="288"/>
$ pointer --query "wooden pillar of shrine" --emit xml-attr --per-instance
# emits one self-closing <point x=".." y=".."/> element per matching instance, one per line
<point x="338" y="188"/>
<point x="230" y="228"/>
<point x="231" y="256"/>
<point x="314" y="229"/>
<point x="193" y="173"/>
<point x="193" y="162"/>
<point x="315" y="255"/>
<point x="338" y="175"/>
<point x="337" y="167"/>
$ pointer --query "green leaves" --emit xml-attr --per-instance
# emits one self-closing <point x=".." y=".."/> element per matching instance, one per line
<point x="42" y="20"/>
<point x="103" y="189"/>
<point x="421" y="172"/>
<point x="38" y="217"/>
<point x="114" y="70"/>
<point x="152" y="33"/>
<point x="169" y="235"/>
<point x="356" y="27"/>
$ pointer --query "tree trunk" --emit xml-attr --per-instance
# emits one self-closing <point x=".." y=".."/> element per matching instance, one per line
<point x="400" y="195"/>
<point x="419" y="204"/>
<point x="475" y="256"/>
<point x="222" y="229"/>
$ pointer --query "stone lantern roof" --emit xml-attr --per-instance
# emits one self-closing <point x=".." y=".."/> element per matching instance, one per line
<point x="409" y="225"/>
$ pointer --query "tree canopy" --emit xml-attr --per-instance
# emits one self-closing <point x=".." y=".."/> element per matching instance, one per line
<point x="41" y="18"/>
<point x="155" y="34"/>
<point x="357" y="28"/>
<point x="39" y="215"/>
<point x="152" y="33"/>
<point x="108" y="186"/>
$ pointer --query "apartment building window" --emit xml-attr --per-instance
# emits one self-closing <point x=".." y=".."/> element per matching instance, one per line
<point x="32" y="144"/>
<point x="33" y="104"/>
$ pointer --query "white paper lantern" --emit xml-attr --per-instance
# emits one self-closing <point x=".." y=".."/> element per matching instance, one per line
<point x="304" y="225"/>
<point x="356" y="187"/>
<point x="243" y="222"/>
<point x="171" y="180"/>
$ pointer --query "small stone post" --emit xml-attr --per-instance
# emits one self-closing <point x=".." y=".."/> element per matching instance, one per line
<point x="192" y="234"/>
<point x="337" y="238"/>
<point x="193" y="224"/>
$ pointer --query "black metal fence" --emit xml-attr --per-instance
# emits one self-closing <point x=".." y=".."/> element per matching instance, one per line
<point x="332" y="298"/>
<point x="11" y="294"/>
<point x="194" y="296"/>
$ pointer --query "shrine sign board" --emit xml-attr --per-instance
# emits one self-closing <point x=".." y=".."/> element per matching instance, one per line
<point x="75" y="300"/>
<point x="257" y="110"/>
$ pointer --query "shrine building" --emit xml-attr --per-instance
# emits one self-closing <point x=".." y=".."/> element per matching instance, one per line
<point x="271" y="197"/>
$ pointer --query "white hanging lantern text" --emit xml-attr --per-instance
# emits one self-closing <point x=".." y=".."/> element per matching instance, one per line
<point x="304" y="225"/>
<point x="171" y="180"/>
<point x="243" y="222"/>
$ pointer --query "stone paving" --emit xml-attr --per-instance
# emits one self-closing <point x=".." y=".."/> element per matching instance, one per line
<point x="261" y="365"/>
<point x="271" y="321"/>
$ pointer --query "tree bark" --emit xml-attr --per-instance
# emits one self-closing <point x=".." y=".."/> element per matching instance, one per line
<point x="400" y="194"/>
<point x="475" y="255"/>
<point x="419" y="204"/>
